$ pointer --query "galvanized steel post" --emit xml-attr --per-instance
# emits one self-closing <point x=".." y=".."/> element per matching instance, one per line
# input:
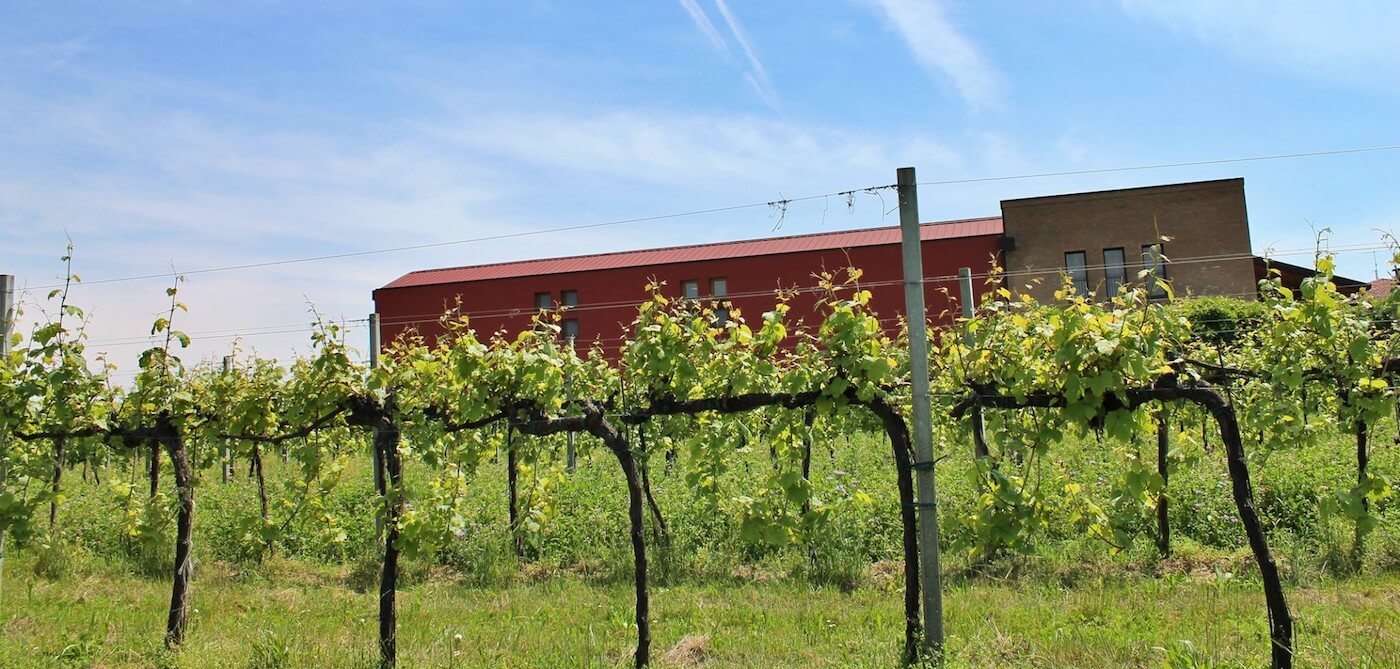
<point x="373" y="340"/>
<point x="915" y="311"/>
<point x="969" y="309"/>
<point x="7" y="306"/>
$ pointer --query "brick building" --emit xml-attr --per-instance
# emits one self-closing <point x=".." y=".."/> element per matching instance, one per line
<point x="1104" y="239"/>
<point x="1100" y="239"/>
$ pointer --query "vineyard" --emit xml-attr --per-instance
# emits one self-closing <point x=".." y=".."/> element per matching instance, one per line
<point x="1128" y="427"/>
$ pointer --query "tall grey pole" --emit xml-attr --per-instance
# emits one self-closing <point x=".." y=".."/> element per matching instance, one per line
<point x="969" y="309"/>
<point x="7" y="308"/>
<point x="915" y="311"/>
<point x="373" y="340"/>
<point x="965" y="291"/>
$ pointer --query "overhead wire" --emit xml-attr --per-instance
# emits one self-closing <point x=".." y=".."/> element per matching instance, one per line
<point x="781" y="203"/>
<point x="420" y="319"/>
<point x="471" y="240"/>
<point x="225" y="334"/>
<point x="525" y="311"/>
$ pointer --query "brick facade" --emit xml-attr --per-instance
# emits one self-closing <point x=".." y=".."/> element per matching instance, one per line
<point x="1204" y="220"/>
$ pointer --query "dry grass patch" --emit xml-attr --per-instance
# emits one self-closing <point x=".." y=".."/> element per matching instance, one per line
<point x="691" y="651"/>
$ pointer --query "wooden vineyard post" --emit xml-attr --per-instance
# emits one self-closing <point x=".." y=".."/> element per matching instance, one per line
<point x="915" y="313"/>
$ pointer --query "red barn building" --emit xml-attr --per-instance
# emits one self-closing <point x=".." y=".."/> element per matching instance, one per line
<point x="602" y="291"/>
<point x="1100" y="240"/>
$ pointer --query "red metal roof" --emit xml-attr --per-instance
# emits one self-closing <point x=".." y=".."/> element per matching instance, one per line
<point x="821" y="241"/>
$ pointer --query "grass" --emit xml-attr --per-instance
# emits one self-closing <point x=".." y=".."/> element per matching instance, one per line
<point x="97" y="598"/>
<point x="297" y="615"/>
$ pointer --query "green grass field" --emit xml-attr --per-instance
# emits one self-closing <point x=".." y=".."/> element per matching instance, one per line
<point x="294" y="616"/>
<point x="97" y="598"/>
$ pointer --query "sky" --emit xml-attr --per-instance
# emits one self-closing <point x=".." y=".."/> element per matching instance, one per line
<point x="176" y="137"/>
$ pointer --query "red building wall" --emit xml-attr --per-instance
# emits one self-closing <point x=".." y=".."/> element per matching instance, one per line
<point x="607" y="298"/>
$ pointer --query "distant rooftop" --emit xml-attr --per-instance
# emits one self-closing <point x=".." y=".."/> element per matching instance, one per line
<point x="1380" y="288"/>
<point x="821" y="241"/>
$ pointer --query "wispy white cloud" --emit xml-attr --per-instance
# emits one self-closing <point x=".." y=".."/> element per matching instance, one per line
<point x="757" y="75"/>
<point x="203" y="187"/>
<point x="941" y="49"/>
<point x="706" y="26"/>
<point x="1353" y="43"/>
<point x="673" y="149"/>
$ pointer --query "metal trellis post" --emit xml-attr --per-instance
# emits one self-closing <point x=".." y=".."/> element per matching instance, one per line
<point x="916" y="313"/>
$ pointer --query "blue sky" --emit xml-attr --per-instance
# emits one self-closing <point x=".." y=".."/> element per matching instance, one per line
<point x="202" y="134"/>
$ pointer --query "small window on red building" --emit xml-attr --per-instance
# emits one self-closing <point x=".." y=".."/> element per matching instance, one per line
<point x="719" y="289"/>
<point x="570" y="331"/>
<point x="690" y="289"/>
<point x="544" y="301"/>
<point x="569" y="298"/>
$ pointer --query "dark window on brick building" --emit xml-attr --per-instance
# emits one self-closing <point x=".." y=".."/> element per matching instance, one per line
<point x="1074" y="267"/>
<point x="544" y="301"/>
<point x="569" y="298"/>
<point x="570" y="331"/>
<point x="1114" y="270"/>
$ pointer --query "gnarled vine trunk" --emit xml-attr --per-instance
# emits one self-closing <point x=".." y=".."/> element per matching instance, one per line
<point x="1280" y="620"/>
<point x="513" y="491"/>
<point x="979" y="434"/>
<point x="58" y="453"/>
<point x="166" y="433"/>
<point x="155" y="468"/>
<point x="593" y="422"/>
<point x="386" y="443"/>
<point x="898" y="433"/>
<point x="616" y="443"/>
<point x="262" y="498"/>
<point x="662" y="535"/>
